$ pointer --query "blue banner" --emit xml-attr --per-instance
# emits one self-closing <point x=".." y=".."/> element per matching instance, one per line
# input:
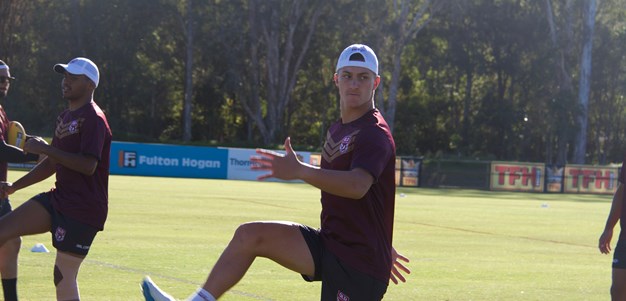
<point x="163" y="160"/>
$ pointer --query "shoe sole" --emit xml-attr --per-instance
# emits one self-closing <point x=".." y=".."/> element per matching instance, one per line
<point x="145" y="289"/>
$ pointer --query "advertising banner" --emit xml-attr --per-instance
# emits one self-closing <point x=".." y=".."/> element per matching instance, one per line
<point x="409" y="172"/>
<point x="239" y="164"/>
<point x="516" y="176"/>
<point x="554" y="178"/>
<point x="162" y="160"/>
<point x="590" y="179"/>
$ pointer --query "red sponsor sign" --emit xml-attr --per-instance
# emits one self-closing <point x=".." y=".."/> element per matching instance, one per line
<point x="590" y="179"/>
<point x="514" y="176"/>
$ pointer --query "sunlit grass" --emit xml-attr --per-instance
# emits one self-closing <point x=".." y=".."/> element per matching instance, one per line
<point x="464" y="244"/>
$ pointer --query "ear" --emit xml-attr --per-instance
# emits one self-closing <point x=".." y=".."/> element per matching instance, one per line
<point x="336" y="79"/>
<point x="376" y="82"/>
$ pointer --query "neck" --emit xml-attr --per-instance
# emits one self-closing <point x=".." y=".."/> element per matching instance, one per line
<point x="351" y="114"/>
<point x="77" y="103"/>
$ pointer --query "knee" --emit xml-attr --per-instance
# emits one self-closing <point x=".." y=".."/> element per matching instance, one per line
<point x="248" y="235"/>
<point x="618" y="292"/>
<point x="65" y="273"/>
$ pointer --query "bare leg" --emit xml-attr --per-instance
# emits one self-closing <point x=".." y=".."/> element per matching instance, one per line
<point x="8" y="258"/>
<point x="618" y="288"/>
<point x="281" y="242"/>
<point x="8" y="268"/>
<point x="66" y="268"/>
<point x="27" y="219"/>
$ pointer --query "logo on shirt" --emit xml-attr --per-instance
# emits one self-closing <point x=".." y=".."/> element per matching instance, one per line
<point x="342" y="297"/>
<point x="345" y="142"/>
<point x="333" y="149"/>
<point x="59" y="234"/>
<point x="65" y="129"/>
<point x="73" y="128"/>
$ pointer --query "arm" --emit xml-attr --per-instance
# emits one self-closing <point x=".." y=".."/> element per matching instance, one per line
<point x="12" y="154"/>
<point x="81" y="163"/>
<point x="352" y="184"/>
<point x="42" y="171"/>
<point x="604" y="243"/>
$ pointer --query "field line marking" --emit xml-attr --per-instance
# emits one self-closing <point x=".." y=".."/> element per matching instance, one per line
<point x="144" y="272"/>
<point x="505" y="235"/>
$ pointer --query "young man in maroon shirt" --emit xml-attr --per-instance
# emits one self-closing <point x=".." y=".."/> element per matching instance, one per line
<point x="76" y="209"/>
<point x="617" y="213"/>
<point x="352" y="252"/>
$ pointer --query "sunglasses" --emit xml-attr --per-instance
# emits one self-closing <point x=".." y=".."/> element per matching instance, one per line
<point x="4" y="79"/>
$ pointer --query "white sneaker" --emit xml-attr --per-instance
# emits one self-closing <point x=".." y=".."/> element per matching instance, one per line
<point x="152" y="292"/>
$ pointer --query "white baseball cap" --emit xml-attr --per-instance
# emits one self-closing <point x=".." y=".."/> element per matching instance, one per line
<point x="80" y="66"/>
<point x="358" y="55"/>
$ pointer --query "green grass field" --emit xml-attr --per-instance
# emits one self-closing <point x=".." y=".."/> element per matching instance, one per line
<point x="463" y="244"/>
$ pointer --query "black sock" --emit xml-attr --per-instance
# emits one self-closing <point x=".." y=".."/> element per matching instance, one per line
<point x="9" y="288"/>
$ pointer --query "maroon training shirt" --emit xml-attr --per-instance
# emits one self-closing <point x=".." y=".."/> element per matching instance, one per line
<point x="359" y="232"/>
<point x="81" y="197"/>
<point x="4" y="132"/>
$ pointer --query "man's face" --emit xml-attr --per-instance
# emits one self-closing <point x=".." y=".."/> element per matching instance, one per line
<point x="356" y="86"/>
<point x="4" y="82"/>
<point x="75" y="86"/>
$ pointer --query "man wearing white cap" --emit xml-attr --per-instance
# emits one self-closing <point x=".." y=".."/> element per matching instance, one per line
<point x="352" y="252"/>
<point x="76" y="208"/>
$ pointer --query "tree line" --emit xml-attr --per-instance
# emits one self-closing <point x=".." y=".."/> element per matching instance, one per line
<point x="526" y="80"/>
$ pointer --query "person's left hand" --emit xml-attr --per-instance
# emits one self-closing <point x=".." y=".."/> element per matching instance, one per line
<point x="284" y="167"/>
<point x="398" y="267"/>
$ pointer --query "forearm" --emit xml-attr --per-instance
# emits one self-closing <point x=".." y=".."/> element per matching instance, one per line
<point x="352" y="184"/>
<point x="77" y="162"/>
<point x="12" y="154"/>
<point x="616" y="208"/>
<point x="40" y="172"/>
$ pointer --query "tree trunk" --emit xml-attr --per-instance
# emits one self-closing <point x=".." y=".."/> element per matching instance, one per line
<point x="188" y="74"/>
<point x="580" y="147"/>
<point x="566" y="88"/>
<point x="407" y="29"/>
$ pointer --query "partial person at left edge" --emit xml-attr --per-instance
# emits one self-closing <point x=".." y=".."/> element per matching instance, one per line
<point x="8" y="154"/>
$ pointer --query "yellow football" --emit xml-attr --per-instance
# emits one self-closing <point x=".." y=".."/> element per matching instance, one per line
<point x="16" y="135"/>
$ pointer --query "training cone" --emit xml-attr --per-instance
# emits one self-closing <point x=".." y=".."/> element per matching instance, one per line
<point x="39" y="248"/>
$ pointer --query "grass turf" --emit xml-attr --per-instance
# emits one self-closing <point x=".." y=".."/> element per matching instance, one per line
<point x="463" y="244"/>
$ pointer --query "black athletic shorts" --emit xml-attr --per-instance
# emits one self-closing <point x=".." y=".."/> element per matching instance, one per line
<point x="5" y="207"/>
<point x="339" y="281"/>
<point x="619" y="254"/>
<point x="68" y="235"/>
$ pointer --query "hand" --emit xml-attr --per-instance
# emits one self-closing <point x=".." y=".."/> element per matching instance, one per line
<point x="604" y="243"/>
<point x="397" y="267"/>
<point x="35" y="145"/>
<point x="284" y="167"/>
<point x="6" y="189"/>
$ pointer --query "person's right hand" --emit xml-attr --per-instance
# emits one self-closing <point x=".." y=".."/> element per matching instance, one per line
<point x="6" y="189"/>
<point x="280" y="166"/>
<point x="604" y="243"/>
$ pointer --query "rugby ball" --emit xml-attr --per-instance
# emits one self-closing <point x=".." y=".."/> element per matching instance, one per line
<point x="16" y="134"/>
